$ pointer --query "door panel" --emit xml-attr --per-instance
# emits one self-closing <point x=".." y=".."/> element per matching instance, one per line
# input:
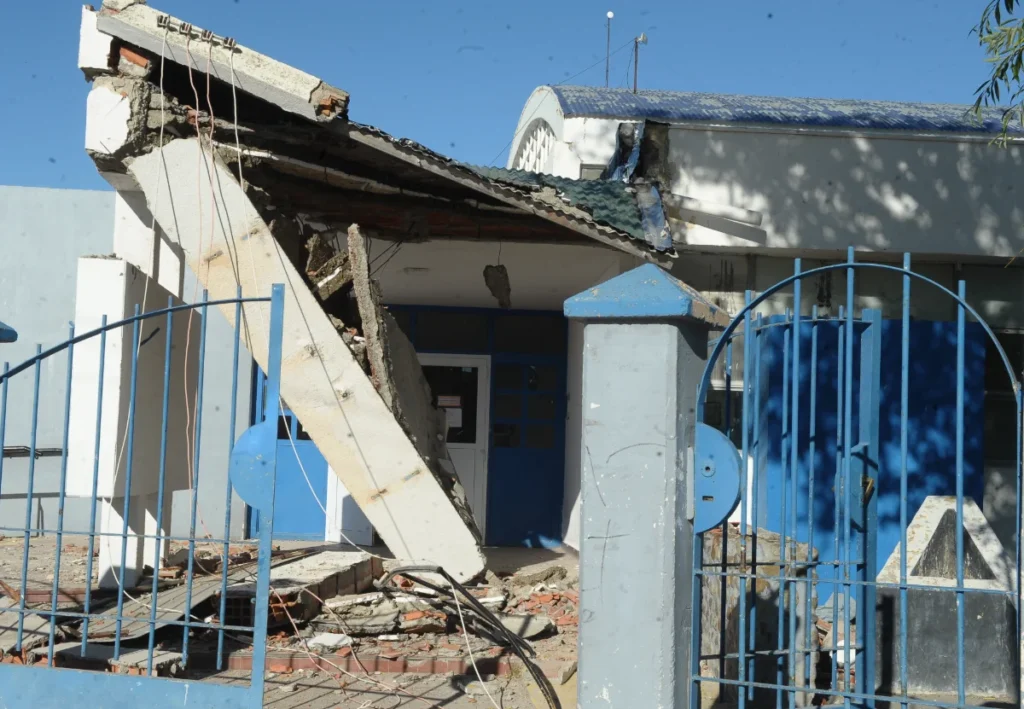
<point x="460" y="385"/>
<point x="528" y="451"/>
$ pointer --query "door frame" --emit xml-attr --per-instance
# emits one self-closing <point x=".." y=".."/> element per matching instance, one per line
<point x="482" y="363"/>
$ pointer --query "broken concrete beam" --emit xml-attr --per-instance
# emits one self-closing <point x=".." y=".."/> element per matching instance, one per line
<point x="300" y="586"/>
<point x="368" y="297"/>
<point x="323" y="384"/>
<point x="292" y="90"/>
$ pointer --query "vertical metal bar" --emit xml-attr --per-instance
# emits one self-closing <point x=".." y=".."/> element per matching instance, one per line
<point x="95" y="482"/>
<point x="794" y="475"/>
<point x="780" y="659"/>
<point x="755" y="342"/>
<point x="728" y="388"/>
<point x="227" y="494"/>
<point x="195" y="482"/>
<point x="847" y="445"/>
<point x="723" y="585"/>
<point x="837" y="487"/>
<point x="745" y="447"/>
<point x="3" y="419"/>
<point x="28" y="498"/>
<point x="161" y="484"/>
<point x="129" y="462"/>
<point x="811" y="465"/>
<point x="259" y="632"/>
<point x="62" y="489"/>
<point x="865" y="483"/>
<point x="960" y="331"/>
<point x="904" y="445"/>
<point x="1019" y="399"/>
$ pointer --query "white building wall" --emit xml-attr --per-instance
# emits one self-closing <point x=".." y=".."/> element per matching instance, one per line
<point x="829" y="190"/>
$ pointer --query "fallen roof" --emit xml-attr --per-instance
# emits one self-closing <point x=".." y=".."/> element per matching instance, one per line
<point x="601" y="213"/>
<point x="678" y="106"/>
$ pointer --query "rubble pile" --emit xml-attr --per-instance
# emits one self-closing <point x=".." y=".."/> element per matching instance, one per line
<point x="322" y="614"/>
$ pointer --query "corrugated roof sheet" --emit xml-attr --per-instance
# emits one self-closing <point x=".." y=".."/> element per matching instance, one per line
<point x="609" y="202"/>
<point x="820" y="112"/>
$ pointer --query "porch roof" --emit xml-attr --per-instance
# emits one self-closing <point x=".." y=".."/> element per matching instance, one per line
<point x="303" y="130"/>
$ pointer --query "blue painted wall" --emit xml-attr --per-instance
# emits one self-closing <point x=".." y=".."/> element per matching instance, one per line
<point x="931" y="461"/>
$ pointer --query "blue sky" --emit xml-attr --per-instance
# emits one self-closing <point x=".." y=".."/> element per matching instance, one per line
<point x="455" y="74"/>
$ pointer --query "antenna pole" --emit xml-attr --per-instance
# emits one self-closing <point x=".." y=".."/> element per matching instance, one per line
<point x="608" y="50"/>
<point x="636" y="61"/>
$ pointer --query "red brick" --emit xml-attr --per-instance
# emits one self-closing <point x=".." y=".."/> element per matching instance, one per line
<point x="414" y="615"/>
<point x="424" y="665"/>
<point x="557" y="613"/>
<point x="134" y="57"/>
<point x="573" y="596"/>
<point x="390" y="654"/>
<point x="344" y="651"/>
<point x="567" y="620"/>
<point x="544" y="598"/>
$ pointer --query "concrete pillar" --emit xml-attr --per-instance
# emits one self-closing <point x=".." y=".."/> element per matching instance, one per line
<point x="113" y="287"/>
<point x="645" y="345"/>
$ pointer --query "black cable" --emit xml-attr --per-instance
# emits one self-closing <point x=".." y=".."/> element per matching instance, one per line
<point x="519" y="646"/>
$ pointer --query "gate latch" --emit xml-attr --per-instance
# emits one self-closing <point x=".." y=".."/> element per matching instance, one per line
<point x="716" y="478"/>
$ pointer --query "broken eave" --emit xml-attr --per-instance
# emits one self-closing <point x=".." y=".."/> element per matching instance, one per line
<point x="301" y="118"/>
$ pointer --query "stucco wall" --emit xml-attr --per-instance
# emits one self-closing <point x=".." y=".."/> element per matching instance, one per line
<point x="828" y="191"/>
<point x="45" y="232"/>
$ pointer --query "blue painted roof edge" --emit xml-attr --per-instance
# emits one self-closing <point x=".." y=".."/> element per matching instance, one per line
<point x="601" y="102"/>
<point x="644" y="293"/>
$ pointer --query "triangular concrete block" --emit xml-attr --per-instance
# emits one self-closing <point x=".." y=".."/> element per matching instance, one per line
<point x="931" y="549"/>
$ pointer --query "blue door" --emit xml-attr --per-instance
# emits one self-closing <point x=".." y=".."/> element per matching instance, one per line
<point x="527" y="461"/>
<point x="301" y="492"/>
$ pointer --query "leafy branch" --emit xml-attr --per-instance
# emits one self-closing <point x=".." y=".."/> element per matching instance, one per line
<point x="1001" y="34"/>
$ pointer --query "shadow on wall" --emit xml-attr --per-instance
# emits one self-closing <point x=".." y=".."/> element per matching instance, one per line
<point x="931" y="431"/>
<point x="830" y="192"/>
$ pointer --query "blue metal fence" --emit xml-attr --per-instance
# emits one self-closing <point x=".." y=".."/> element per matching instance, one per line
<point x="97" y="629"/>
<point x="817" y="424"/>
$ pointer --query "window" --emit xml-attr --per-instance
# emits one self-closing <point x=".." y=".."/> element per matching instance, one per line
<point x="1000" y="403"/>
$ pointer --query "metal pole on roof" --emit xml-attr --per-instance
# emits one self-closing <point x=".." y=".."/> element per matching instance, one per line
<point x="642" y="39"/>
<point x="608" y="49"/>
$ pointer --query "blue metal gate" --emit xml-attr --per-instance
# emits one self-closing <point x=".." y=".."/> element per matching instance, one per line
<point x="840" y="552"/>
<point x="67" y="638"/>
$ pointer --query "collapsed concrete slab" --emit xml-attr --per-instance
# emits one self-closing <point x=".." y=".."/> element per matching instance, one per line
<point x="227" y="244"/>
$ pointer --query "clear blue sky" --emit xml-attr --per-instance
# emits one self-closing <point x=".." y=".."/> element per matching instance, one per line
<point x="454" y="74"/>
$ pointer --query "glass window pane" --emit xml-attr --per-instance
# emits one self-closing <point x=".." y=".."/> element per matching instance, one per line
<point x="508" y="376"/>
<point x="540" y="378"/>
<point x="508" y="406"/>
<point x="283" y="422"/>
<point x="447" y="331"/>
<point x="1000" y="427"/>
<point x="506" y="435"/>
<point x="540" y="436"/>
<point x="540" y="406"/>
<point x="530" y="334"/>
<point x="454" y="391"/>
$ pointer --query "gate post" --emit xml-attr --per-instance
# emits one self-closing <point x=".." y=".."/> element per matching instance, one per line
<point x="645" y="346"/>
